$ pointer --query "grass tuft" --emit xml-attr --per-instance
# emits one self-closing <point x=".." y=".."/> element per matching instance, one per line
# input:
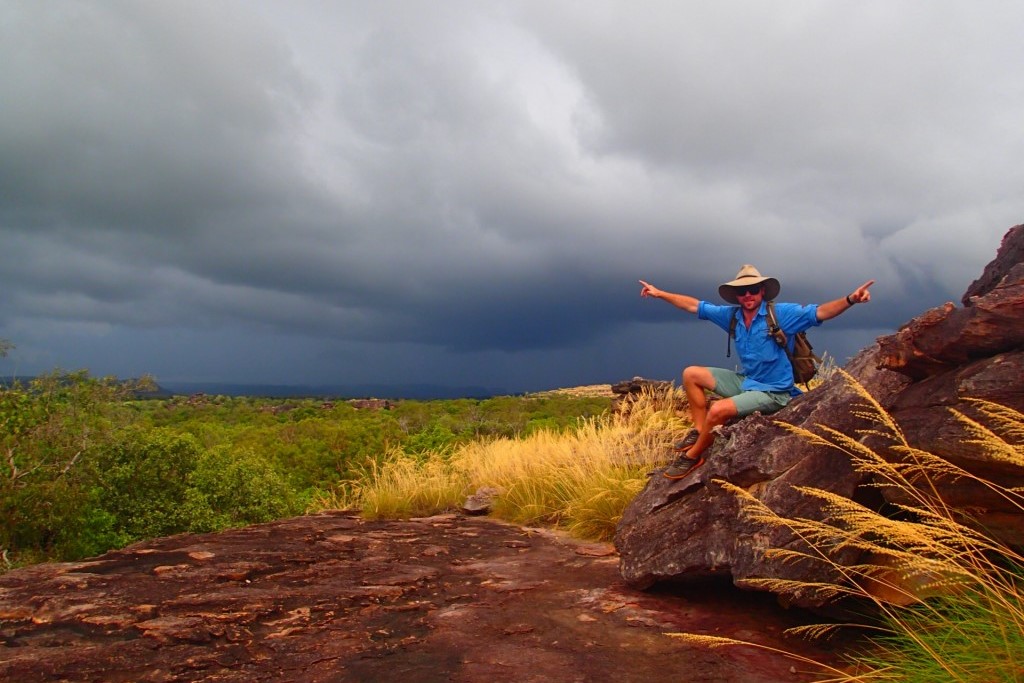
<point x="403" y="487"/>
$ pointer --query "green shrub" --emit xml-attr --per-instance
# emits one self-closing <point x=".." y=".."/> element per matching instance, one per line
<point x="233" y="487"/>
<point x="50" y="430"/>
<point x="144" y="481"/>
<point x="42" y="514"/>
<point x="93" y="531"/>
<point x="436" y="438"/>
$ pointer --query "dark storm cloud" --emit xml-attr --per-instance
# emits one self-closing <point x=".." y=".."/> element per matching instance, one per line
<point x="460" y="189"/>
<point x="142" y="117"/>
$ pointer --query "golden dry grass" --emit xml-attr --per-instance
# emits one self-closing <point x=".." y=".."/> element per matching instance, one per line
<point x="581" y="479"/>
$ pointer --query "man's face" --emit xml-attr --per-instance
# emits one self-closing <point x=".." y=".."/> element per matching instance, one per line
<point x="750" y="297"/>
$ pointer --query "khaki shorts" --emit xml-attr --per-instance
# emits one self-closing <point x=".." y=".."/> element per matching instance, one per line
<point x="728" y="384"/>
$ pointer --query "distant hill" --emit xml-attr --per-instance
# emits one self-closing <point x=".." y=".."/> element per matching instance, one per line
<point x="392" y="391"/>
<point x="157" y="392"/>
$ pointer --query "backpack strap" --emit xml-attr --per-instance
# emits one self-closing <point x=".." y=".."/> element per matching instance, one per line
<point x="774" y="330"/>
<point x="780" y="337"/>
<point x="732" y="332"/>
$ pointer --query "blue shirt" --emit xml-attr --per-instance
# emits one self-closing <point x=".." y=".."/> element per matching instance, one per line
<point x="765" y="364"/>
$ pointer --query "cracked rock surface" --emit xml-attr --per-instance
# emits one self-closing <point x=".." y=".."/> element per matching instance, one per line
<point x="333" y="597"/>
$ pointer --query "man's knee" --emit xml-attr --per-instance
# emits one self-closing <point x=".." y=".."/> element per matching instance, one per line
<point x="698" y="375"/>
<point x="722" y="411"/>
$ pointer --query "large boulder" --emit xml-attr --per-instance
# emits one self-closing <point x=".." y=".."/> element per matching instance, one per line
<point x="922" y="375"/>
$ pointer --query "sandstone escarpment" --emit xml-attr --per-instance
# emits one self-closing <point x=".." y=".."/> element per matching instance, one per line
<point x="934" y="365"/>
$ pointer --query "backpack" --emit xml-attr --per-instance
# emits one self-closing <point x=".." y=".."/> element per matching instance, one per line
<point x="802" y="358"/>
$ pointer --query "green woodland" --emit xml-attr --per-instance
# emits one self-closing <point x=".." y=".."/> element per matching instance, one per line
<point x="86" y="467"/>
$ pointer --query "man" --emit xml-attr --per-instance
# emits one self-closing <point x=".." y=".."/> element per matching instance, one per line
<point x="766" y="381"/>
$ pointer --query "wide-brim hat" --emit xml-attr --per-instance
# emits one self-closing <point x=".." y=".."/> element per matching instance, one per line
<point x="748" y="276"/>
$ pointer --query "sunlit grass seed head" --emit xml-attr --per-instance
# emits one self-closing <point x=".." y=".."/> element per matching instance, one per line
<point x="949" y="593"/>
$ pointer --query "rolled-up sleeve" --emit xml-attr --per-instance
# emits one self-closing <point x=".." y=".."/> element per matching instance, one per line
<point x="794" y="318"/>
<point x="719" y="315"/>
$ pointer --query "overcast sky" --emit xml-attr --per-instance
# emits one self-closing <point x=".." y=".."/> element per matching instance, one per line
<point x="466" y="192"/>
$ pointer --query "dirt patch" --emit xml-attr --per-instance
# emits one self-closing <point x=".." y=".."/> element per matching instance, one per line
<point x="332" y="597"/>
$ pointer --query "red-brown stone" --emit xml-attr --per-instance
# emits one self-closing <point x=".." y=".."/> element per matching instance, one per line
<point x="333" y="597"/>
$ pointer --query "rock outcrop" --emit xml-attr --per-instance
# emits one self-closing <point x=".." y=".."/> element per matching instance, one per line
<point x="628" y="392"/>
<point x="675" y="530"/>
<point x="333" y="598"/>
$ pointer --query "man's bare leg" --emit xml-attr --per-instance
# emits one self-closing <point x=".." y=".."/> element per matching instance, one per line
<point x="696" y="379"/>
<point x="721" y="412"/>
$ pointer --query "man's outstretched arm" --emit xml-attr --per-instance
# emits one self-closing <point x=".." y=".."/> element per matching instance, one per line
<point x="861" y="295"/>
<point x="687" y="303"/>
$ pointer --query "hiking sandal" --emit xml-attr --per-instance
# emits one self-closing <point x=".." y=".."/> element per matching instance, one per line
<point x="686" y="443"/>
<point x="682" y="467"/>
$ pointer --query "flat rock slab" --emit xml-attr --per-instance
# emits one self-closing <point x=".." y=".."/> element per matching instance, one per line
<point x="332" y="597"/>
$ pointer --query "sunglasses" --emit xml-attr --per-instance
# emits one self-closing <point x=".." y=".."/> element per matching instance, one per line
<point x="749" y="289"/>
